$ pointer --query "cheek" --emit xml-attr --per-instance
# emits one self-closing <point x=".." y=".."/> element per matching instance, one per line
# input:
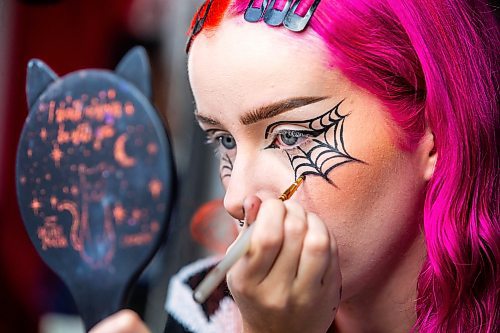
<point x="356" y="190"/>
<point x="373" y="212"/>
<point x="269" y="164"/>
<point x="261" y="170"/>
<point x="358" y="185"/>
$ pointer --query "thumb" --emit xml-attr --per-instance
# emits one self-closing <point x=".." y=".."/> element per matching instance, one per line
<point x="251" y="206"/>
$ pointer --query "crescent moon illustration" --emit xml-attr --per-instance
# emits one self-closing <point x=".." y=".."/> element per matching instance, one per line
<point x="120" y="154"/>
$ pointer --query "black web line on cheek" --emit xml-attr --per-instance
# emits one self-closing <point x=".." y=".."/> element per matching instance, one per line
<point x="324" y="156"/>
<point x="226" y="167"/>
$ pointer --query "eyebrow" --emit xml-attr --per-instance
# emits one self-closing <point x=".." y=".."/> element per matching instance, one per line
<point x="267" y="111"/>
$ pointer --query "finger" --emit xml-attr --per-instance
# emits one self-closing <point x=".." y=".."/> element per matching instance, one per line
<point x="316" y="255"/>
<point x="251" y="206"/>
<point x="332" y="282"/>
<point x="333" y="275"/>
<point x="284" y="270"/>
<point x="332" y="279"/>
<point x="266" y="241"/>
<point x="125" y="321"/>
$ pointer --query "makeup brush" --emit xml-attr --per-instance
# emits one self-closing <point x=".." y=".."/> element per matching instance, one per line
<point x="238" y="250"/>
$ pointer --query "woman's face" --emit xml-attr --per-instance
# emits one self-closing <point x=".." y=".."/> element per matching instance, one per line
<point x="276" y="109"/>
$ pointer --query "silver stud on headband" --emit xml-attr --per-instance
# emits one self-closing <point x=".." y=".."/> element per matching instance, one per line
<point x="296" y="22"/>
<point x="275" y="17"/>
<point x="254" y="14"/>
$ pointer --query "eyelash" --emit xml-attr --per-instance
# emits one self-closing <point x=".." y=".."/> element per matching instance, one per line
<point x="214" y="138"/>
<point x="302" y="137"/>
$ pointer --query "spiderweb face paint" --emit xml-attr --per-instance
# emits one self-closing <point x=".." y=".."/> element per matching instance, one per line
<point x="225" y="148"/>
<point x="326" y="149"/>
<point x="226" y="167"/>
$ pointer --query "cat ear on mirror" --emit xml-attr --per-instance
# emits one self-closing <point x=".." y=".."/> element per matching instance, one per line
<point x="38" y="78"/>
<point x="135" y="68"/>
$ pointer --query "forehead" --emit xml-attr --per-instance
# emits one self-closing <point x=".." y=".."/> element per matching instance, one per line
<point x="244" y="65"/>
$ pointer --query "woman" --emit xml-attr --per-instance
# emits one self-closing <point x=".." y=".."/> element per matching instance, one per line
<point x="390" y="109"/>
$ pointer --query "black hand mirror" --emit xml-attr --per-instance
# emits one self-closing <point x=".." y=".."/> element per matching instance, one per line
<point x="95" y="178"/>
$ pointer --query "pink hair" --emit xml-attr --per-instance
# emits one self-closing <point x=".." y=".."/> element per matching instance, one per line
<point x="434" y="64"/>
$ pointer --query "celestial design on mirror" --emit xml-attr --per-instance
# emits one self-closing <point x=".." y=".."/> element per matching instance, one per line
<point x="78" y="200"/>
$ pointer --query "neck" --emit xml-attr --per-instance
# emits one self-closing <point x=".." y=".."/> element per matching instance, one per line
<point x="388" y="306"/>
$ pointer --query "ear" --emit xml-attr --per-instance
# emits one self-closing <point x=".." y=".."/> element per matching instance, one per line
<point x="429" y="154"/>
<point x="134" y="67"/>
<point x="38" y="77"/>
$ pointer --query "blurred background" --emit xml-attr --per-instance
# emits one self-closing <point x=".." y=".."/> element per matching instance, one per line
<point x="70" y="35"/>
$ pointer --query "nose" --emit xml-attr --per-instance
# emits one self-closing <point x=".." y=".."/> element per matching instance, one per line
<point x="249" y="177"/>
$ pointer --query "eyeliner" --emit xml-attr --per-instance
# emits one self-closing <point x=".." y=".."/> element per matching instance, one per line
<point x="238" y="250"/>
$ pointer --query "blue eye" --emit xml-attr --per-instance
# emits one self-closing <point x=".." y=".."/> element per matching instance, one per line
<point x="227" y="141"/>
<point x="222" y="140"/>
<point x="289" y="139"/>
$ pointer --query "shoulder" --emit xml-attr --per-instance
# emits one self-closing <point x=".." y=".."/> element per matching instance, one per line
<point x="218" y="314"/>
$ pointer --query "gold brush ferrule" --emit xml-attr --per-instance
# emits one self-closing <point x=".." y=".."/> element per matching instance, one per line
<point x="292" y="189"/>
